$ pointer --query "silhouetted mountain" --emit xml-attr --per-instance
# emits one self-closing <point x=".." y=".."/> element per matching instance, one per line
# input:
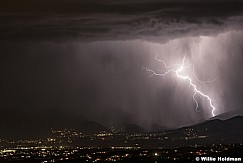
<point x="222" y="128"/>
<point x="38" y="123"/>
<point x="117" y="116"/>
<point x="89" y="127"/>
<point x="156" y="128"/>
<point x="19" y="124"/>
<point x="132" y="128"/>
<point x="228" y="115"/>
<point x="210" y="131"/>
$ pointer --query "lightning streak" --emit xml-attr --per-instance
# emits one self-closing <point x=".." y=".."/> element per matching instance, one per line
<point x="174" y="69"/>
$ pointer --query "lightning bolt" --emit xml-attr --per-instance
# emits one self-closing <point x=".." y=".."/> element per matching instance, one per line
<point x="177" y="70"/>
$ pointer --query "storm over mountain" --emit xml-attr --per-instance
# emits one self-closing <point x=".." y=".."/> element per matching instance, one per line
<point x="88" y="58"/>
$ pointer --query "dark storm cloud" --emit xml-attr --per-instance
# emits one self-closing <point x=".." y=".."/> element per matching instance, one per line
<point x="107" y="20"/>
<point x="87" y="57"/>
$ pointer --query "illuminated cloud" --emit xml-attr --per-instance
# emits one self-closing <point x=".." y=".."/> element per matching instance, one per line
<point x="76" y="20"/>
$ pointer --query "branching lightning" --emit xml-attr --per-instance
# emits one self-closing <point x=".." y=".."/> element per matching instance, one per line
<point x="177" y="70"/>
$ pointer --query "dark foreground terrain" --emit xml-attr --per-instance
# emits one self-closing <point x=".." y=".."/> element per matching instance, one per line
<point x="122" y="154"/>
<point x="212" y="140"/>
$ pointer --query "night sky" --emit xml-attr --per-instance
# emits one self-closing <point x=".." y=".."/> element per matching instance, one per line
<point x="86" y="59"/>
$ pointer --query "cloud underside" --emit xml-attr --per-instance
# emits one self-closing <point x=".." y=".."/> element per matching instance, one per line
<point x="111" y="21"/>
